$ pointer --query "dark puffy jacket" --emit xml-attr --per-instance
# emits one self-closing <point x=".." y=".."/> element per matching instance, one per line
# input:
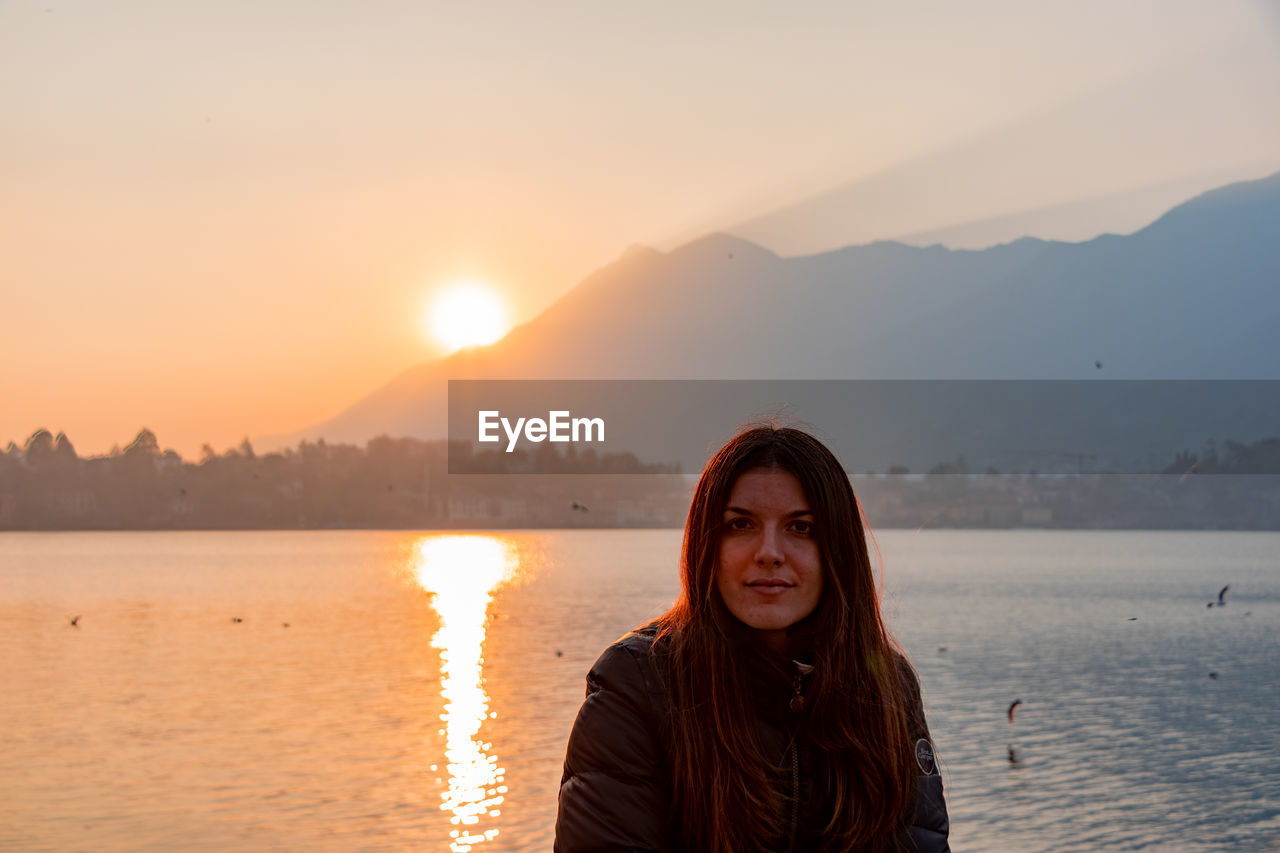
<point x="615" y="794"/>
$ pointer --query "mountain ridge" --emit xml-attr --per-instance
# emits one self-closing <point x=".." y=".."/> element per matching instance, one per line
<point x="1189" y="296"/>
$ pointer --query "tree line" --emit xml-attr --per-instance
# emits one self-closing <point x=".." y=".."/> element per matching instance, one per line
<point x="411" y="483"/>
<point x="389" y="482"/>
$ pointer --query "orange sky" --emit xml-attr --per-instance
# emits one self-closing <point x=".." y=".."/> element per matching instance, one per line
<point x="221" y="220"/>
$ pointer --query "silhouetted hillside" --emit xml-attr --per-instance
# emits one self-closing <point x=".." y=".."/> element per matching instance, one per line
<point x="1192" y="296"/>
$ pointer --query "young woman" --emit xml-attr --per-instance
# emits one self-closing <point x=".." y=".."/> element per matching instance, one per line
<point x="768" y="709"/>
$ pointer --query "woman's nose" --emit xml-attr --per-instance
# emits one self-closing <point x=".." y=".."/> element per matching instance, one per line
<point x="768" y="553"/>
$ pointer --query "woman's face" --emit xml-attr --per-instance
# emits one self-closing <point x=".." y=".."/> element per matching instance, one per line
<point x="769" y="571"/>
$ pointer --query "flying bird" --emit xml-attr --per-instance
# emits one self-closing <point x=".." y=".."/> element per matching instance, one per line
<point x="75" y="621"/>
<point x="1098" y="365"/>
<point x="1222" y="596"/>
<point x="1012" y="707"/>
<point x="580" y="507"/>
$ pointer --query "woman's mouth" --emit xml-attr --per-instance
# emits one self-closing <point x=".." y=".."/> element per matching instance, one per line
<point x="770" y="586"/>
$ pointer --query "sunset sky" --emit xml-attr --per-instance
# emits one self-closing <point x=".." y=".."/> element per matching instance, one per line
<point x="229" y="219"/>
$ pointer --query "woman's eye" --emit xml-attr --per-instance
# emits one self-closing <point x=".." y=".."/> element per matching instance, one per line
<point x="739" y="523"/>
<point x="804" y="528"/>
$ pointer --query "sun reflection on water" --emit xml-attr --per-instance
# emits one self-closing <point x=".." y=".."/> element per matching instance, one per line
<point x="462" y="573"/>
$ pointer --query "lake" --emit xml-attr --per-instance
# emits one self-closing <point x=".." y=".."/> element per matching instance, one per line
<point x="385" y="690"/>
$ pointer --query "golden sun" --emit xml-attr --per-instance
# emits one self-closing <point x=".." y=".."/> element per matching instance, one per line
<point x="466" y="314"/>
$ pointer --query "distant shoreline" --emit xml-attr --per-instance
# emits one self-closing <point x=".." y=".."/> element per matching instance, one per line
<point x="405" y="484"/>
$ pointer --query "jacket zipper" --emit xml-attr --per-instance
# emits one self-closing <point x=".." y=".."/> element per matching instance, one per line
<point x="795" y="794"/>
<point x="796" y="704"/>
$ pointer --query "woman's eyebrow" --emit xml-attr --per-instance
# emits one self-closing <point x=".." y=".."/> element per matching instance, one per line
<point x="792" y="514"/>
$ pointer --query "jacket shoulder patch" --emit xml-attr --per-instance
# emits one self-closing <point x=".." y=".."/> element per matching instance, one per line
<point x="925" y="758"/>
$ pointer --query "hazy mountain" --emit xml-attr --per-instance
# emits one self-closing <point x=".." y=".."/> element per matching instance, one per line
<point x="1192" y="296"/>
<point x="1118" y="150"/>
<point x="1121" y="212"/>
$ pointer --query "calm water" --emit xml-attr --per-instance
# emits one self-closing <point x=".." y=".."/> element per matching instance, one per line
<point x="392" y="690"/>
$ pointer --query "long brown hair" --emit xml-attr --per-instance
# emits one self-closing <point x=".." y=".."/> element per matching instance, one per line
<point x="856" y="700"/>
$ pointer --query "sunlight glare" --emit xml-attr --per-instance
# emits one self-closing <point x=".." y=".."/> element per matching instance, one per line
<point x="462" y="572"/>
<point x="466" y="314"/>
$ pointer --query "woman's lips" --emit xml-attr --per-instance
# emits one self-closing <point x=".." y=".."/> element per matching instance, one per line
<point x="770" y="586"/>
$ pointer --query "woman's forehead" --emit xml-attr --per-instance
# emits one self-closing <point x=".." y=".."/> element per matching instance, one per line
<point x="767" y="488"/>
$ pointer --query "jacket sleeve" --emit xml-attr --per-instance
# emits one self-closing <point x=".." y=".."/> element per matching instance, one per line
<point x="927" y="826"/>
<point x="614" y="794"/>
